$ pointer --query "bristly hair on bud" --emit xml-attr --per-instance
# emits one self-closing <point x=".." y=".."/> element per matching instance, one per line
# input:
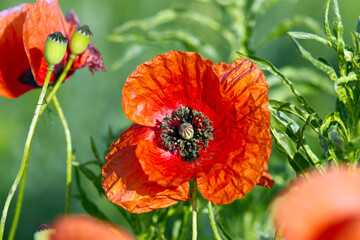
<point x="55" y="48"/>
<point x="85" y="30"/>
<point x="80" y="40"/>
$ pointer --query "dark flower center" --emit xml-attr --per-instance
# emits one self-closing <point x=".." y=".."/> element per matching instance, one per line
<point x="186" y="131"/>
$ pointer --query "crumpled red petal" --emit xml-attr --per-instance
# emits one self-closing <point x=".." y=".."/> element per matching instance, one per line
<point x="245" y="86"/>
<point x="79" y="227"/>
<point x="13" y="59"/>
<point x="326" y="207"/>
<point x="44" y="18"/>
<point x="126" y="184"/>
<point x="167" y="82"/>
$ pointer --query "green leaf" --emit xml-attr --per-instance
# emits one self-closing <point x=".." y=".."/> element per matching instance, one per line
<point x="318" y="64"/>
<point x="344" y="92"/>
<point x="265" y="65"/>
<point x="339" y="30"/>
<point x="303" y="35"/>
<point x="96" y="180"/>
<point x="288" y="24"/>
<point x="313" y="120"/>
<point x="89" y="206"/>
<point x="326" y="22"/>
<point x="356" y="41"/>
<point x="333" y="118"/>
<point x="96" y="152"/>
<point x="311" y="36"/>
<point x="286" y="133"/>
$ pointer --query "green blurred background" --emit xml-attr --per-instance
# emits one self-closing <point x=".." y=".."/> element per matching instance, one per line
<point x="93" y="103"/>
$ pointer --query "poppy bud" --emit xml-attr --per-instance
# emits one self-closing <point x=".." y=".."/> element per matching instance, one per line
<point x="55" y="48"/>
<point x="43" y="232"/>
<point x="80" y="39"/>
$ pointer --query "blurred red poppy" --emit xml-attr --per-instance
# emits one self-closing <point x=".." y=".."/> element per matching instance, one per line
<point x="192" y="120"/>
<point x="87" y="228"/>
<point x="324" y="207"/>
<point x="23" y="33"/>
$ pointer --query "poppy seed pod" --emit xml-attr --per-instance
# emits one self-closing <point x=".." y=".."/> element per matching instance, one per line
<point x="55" y="48"/>
<point x="80" y="39"/>
<point x="43" y="232"/>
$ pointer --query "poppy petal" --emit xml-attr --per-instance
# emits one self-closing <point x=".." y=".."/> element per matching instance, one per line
<point x="266" y="180"/>
<point x="126" y="184"/>
<point x="79" y="227"/>
<point x="245" y="87"/>
<point x="15" y="70"/>
<point x="219" y="68"/>
<point x="233" y="181"/>
<point x="43" y="18"/>
<point x="168" y="169"/>
<point x="325" y="206"/>
<point x="167" y="82"/>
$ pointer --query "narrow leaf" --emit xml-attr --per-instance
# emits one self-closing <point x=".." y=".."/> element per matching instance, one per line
<point x="326" y="22"/>
<point x="89" y="206"/>
<point x="318" y="64"/>
<point x="314" y="121"/>
<point x="305" y="35"/>
<point x="95" y="151"/>
<point x="339" y="30"/>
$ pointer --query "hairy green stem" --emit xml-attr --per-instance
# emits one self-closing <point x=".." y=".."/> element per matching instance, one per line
<point x="68" y="152"/>
<point x="60" y="80"/>
<point x="212" y="221"/>
<point x="41" y="105"/>
<point x="194" y="210"/>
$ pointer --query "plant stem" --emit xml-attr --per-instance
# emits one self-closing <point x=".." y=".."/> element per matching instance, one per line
<point x="59" y="81"/>
<point x="212" y="221"/>
<point x="194" y="210"/>
<point x="68" y="152"/>
<point x="41" y="105"/>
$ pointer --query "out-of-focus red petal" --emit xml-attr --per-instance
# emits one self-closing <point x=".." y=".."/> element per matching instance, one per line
<point x="43" y="18"/>
<point x="126" y="184"/>
<point x="167" y="82"/>
<point x="14" y="63"/>
<point x="79" y="227"/>
<point x="326" y="207"/>
<point x="248" y="121"/>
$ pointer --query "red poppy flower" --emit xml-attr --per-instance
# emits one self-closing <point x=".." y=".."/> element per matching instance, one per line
<point x="23" y="33"/>
<point x="326" y="207"/>
<point x="192" y="120"/>
<point x="87" y="228"/>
